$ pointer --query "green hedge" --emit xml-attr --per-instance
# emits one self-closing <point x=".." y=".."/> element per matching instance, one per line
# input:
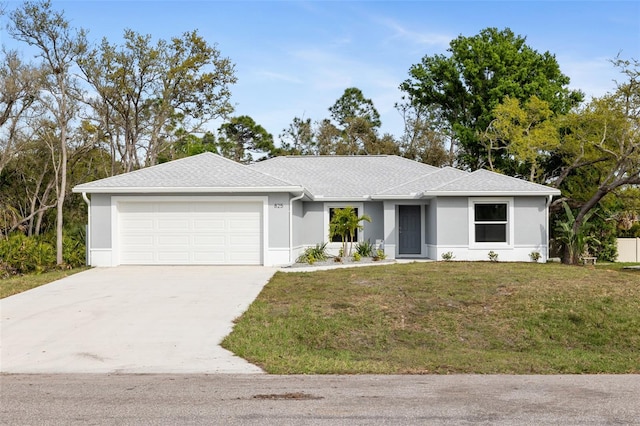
<point x="20" y="254"/>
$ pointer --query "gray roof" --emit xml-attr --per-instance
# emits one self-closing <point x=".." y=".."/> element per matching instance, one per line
<point x="485" y="182"/>
<point x="320" y="177"/>
<point x="350" y="177"/>
<point x="199" y="173"/>
<point x="418" y="186"/>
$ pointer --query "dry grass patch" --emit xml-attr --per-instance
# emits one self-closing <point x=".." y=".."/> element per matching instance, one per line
<point x="445" y="317"/>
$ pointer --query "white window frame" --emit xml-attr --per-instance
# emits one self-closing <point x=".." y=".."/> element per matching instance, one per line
<point x="473" y="201"/>
<point x="341" y="205"/>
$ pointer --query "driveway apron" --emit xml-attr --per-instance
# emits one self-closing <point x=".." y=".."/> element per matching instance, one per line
<point x="130" y="319"/>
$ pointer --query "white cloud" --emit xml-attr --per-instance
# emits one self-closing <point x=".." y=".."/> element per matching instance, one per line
<point x="400" y="32"/>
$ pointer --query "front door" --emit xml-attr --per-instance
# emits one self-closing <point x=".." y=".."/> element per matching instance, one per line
<point x="409" y="229"/>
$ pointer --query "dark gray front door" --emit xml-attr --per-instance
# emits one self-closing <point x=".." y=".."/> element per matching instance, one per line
<point x="409" y="224"/>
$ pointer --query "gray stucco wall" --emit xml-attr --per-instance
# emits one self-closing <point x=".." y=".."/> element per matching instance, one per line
<point x="374" y="230"/>
<point x="278" y="213"/>
<point x="529" y="220"/>
<point x="453" y="220"/>
<point x="431" y="222"/>
<point x="298" y="222"/>
<point x="101" y="221"/>
<point x="312" y="231"/>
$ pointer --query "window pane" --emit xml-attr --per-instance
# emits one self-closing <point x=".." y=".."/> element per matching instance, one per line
<point x="491" y="233"/>
<point x="491" y="212"/>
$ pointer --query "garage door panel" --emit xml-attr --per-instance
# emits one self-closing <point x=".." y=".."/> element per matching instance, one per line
<point x="134" y="223"/>
<point x="209" y="224"/>
<point x="168" y="207"/>
<point x="174" y="241"/>
<point x="175" y="232"/>
<point x="133" y="240"/>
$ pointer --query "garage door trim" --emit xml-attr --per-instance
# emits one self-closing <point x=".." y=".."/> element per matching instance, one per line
<point x="117" y="200"/>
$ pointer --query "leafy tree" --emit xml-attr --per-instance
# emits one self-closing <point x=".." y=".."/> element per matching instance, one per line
<point x="601" y="145"/>
<point x="425" y="136"/>
<point x="352" y="104"/>
<point x="299" y="138"/>
<point x="480" y="72"/>
<point x="150" y="94"/>
<point x="19" y="89"/>
<point x="58" y="45"/>
<point x="358" y="121"/>
<point x="526" y="132"/>
<point x="241" y="138"/>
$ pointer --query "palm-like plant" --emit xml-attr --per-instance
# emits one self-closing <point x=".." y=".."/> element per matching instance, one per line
<point x="575" y="241"/>
<point x="345" y="223"/>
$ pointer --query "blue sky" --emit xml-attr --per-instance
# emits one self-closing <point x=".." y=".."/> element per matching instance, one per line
<point x="295" y="58"/>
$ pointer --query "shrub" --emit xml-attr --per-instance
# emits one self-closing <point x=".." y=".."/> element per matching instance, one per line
<point x="448" y="256"/>
<point x="364" y="249"/>
<point x="534" y="256"/>
<point x="357" y="257"/>
<point x="313" y="254"/>
<point x="493" y="256"/>
<point x="23" y="255"/>
<point x="379" y="255"/>
<point x="73" y="247"/>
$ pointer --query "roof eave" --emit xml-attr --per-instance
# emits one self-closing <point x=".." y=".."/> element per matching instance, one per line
<point x="189" y="190"/>
<point x="492" y="193"/>
<point x="412" y="196"/>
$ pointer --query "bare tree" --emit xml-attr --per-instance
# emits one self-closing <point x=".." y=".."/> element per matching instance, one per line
<point x="36" y="24"/>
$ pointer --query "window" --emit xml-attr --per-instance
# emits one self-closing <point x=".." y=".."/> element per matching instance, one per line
<point x="338" y="238"/>
<point x="329" y="210"/>
<point x="490" y="222"/>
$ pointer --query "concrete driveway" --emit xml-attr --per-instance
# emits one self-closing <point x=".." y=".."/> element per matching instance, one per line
<point x="130" y="319"/>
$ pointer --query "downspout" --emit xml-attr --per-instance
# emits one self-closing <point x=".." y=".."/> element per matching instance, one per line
<point x="86" y="200"/>
<point x="291" y="225"/>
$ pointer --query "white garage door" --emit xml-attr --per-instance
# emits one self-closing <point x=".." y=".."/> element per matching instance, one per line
<point x="190" y="233"/>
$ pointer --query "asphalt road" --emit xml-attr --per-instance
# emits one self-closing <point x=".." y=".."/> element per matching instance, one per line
<point x="93" y="399"/>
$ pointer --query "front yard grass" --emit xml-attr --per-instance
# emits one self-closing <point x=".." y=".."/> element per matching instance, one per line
<point x="20" y="283"/>
<point x="445" y="317"/>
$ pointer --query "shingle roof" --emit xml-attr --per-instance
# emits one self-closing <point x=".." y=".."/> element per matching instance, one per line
<point x="418" y="186"/>
<point x="344" y="176"/>
<point x="198" y="173"/>
<point x="321" y="177"/>
<point x="482" y="182"/>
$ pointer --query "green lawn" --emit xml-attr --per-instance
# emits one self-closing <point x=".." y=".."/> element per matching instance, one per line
<point x="445" y="317"/>
<point x="20" y="283"/>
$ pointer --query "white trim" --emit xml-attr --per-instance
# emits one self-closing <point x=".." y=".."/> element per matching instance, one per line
<point x="100" y="257"/>
<point x="116" y="200"/>
<point x="138" y="190"/>
<point x="277" y="257"/>
<point x="519" y="253"/>
<point x="491" y="193"/>
<point x="509" y="244"/>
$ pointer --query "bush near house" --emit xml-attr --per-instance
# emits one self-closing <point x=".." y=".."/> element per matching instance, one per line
<point x="20" y="254"/>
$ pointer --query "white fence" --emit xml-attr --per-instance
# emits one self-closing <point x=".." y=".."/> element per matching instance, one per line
<point x="628" y="250"/>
